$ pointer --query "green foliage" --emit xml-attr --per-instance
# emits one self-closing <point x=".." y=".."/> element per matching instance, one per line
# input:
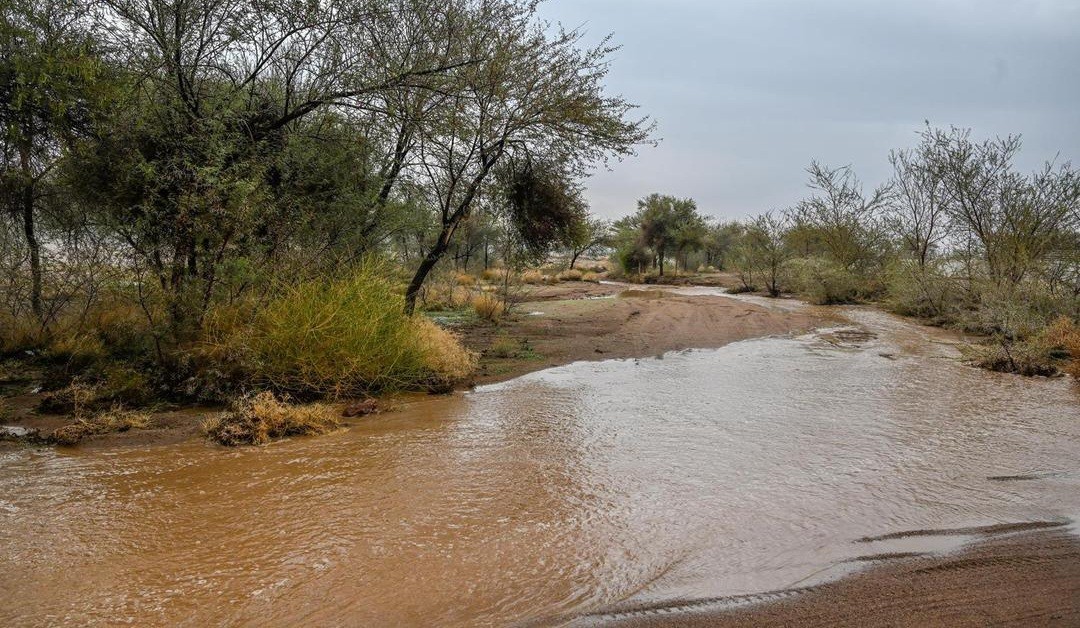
<point x="821" y="281"/>
<point x="922" y="291"/>
<point x="546" y="209"/>
<point x="343" y="337"/>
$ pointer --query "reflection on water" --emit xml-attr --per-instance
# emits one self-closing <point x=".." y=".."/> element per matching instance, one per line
<point x="756" y="466"/>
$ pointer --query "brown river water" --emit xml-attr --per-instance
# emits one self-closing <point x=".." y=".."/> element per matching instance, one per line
<point x="704" y="473"/>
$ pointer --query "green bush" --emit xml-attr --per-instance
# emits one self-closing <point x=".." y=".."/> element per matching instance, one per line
<point x="344" y="337"/>
<point x="820" y="281"/>
<point x="923" y="292"/>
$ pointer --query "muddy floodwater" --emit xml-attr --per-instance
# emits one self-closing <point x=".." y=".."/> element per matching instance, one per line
<point x="763" y="465"/>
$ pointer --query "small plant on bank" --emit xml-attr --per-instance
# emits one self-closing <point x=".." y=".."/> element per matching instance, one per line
<point x="488" y="307"/>
<point x="504" y="347"/>
<point x="532" y="277"/>
<point x="115" y="420"/>
<point x="263" y="417"/>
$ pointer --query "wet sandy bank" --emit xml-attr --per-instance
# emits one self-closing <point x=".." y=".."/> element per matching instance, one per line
<point x="1024" y="578"/>
<point x="579" y="321"/>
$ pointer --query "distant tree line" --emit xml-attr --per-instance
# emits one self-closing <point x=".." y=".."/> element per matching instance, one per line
<point x="957" y="235"/>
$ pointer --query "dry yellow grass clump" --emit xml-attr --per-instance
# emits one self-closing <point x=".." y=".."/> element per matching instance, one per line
<point x="591" y="277"/>
<point x="465" y="279"/>
<point x="261" y="418"/>
<point x="115" y="420"/>
<point x="492" y="275"/>
<point x="1065" y="333"/>
<point x="571" y="274"/>
<point x="488" y="307"/>
<point x="446" y="360"/>
<point x="532" y="277"/>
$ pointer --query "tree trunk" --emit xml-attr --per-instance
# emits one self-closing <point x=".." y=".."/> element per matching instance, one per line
<point x="425" y="267"/>
<point x="573" y="259"/>
<point x="35" y="252"/>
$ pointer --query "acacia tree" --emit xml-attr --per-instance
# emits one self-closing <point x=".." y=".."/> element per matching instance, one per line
<point x="1016" y="221"/>
<point x="588" y="237"/>
<point x="840" y="217"/>
<point x="50" y="87"/>
<point x="662" y="219"/>
<point x="200" y="165"/>
<point x="917" y="210"/>
<point x="533" y="96"/>
<point x="765" y="236"/>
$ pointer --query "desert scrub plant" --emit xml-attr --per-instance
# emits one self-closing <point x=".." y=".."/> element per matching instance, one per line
<point x="590" y="277"/>
<point x="263" y="417"/>
<point x="488" y="307"/>
<point x="465" y="280"/>
<point x="571" y="274"/>
<point x="344" y="337"/>
<point x="532" y="277"/>
<point x="492" y="275"/>
<point x="503" y="347"/>
<point x="75" y="398"/>
<point x="820" y="281"/>
<point x="925" y="292"/>
<point x="445" y="361"/>
<point x="116" y="419"/>
<point x="1027" y="357"/>
<point x="1064" y="336"/>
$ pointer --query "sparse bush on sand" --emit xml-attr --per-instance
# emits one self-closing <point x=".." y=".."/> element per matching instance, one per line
<point x="488" y="307"/>
<point x="115" y="420"/>
<point x="261" y="418"/>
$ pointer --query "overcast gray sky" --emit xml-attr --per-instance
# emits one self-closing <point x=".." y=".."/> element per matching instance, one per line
<point x="746" y="92"/>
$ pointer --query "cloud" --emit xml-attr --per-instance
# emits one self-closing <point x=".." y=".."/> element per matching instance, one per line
<point x="746" y="93"/>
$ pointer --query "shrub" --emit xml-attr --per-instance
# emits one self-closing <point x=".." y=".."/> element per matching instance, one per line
<point x="820" y="281"/>
<point x="1063" y="335"/>
<point x="503" y="347"/>
<point x="465" y="280"/>
<point x="572" y="274"/>
<point x="115" y="420"/>
<point x="75" y="398"/>
<point x="923" y="292"/>
<point x="345" y="337"/>
<point x="1031" y="357"/>
<point x="492" y="275"/>
<point x="532" y="277"/>
<point x="260" y="418"/>
<point x="488" y="307"/>
<point x="444" y="360"/>
<point x="81" y="348"/>
<point x="591" y="277"/>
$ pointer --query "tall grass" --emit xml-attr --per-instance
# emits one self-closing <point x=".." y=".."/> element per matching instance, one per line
<point x="488" y="307"/>
<point x="343" y="337"/>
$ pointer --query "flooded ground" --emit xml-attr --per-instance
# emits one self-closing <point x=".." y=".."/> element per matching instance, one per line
<point x="763" y="465"/>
